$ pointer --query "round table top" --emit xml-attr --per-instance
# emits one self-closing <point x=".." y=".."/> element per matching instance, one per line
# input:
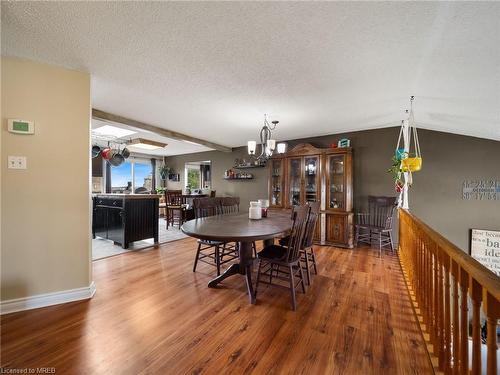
<point x="238" y="227"/>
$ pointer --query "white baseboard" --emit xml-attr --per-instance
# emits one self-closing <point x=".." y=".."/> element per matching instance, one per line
<point x="47" y="299"/>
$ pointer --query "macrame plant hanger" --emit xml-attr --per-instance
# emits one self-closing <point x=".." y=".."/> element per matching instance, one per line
<point x="411" y="160"/>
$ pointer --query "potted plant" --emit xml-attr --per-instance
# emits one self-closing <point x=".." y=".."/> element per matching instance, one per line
<point x="396" y="172"/>
<point x="163" y="171"/>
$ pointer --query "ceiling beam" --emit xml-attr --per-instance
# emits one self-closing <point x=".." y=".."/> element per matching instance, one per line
<point x="109" y="117"/>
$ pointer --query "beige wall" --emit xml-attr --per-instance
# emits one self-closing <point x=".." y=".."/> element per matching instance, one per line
<point x="436" y="196"/>
<point x="45" y="214"/>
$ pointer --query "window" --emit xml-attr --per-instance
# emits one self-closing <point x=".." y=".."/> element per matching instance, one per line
<point x="133" y="176"/>
<point x="143" y="176"/>
<point x="121" y="178"/>
<point x="193" y="178"/>
<point x="197" y="174"/>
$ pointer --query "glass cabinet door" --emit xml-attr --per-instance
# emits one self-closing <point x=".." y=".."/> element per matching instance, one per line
<point x="294" y="181"/>
<point x="336" y="179"/>
<point x="311" y="172"/>
<point x="276" y="182"/>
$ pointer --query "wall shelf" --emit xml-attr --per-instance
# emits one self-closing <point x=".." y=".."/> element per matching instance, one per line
<point x="248" y="166"/>
<point x="238" y="178"/>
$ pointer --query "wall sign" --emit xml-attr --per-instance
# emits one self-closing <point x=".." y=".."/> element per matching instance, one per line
<point x="481" y="190"/>
<point x="485" y="248"/>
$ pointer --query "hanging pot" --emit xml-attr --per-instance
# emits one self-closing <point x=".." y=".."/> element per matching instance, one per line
<point x="413" y="164"/>
<point x="125" y="153"/>
<point x="399" y="186"/>
<point x="400" y="154"/>
<point x="96" y="150"/>
<point x="106" y="153"/>
<point x="117" y="159"/>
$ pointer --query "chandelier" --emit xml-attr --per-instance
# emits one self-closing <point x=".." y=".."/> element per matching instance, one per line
<point x="268" y="144"/>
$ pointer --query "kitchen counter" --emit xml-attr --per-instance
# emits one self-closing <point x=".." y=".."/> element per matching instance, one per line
<point x="125" y="218"/>
<point x="128" y="196"/>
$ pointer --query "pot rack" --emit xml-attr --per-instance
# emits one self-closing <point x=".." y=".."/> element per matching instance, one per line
<point x="108" y="140"/>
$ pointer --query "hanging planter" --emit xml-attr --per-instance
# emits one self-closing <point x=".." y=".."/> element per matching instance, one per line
<point x="411" y="160"/>
<point x="407" y="157"/>
<point x="411" y="164"/>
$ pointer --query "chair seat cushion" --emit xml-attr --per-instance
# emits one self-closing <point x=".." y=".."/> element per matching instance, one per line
<point x="273" y="252"/>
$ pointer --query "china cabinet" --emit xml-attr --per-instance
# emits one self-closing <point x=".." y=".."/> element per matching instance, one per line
<point x="308" y="174"/>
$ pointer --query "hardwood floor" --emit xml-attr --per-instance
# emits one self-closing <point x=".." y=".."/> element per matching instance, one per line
<point x="152" y="315"/>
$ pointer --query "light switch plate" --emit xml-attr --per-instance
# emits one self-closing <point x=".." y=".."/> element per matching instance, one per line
<point x="17" y="162"/>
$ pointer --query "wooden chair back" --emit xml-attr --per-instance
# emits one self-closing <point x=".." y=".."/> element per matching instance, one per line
<point x="230" y="205"/>
<point x="296" y="238"/>
<point x="173" y="197"/>
<point x="380" y="211"/>
<point x="311" y="224"/>
<point x="205" y="207"/>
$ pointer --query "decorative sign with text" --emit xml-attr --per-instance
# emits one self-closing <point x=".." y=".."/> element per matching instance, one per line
<point x="485" y="248"/>
<point x="481" y="190"/>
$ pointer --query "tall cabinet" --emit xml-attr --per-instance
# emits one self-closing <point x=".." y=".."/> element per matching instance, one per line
<point x="309" y="174"/>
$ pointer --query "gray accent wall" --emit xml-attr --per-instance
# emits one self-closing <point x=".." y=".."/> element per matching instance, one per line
<point x="436" y="195"/>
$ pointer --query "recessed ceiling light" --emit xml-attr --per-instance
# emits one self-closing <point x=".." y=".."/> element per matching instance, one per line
<point x="146" y="144"/>
<point x="113" y="131"/>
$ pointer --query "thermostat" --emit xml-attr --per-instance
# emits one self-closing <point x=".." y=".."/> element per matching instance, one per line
<point x="21" y="126"/>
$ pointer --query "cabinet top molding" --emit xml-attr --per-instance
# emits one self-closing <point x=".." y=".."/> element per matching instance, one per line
<point x="308" y="149"/>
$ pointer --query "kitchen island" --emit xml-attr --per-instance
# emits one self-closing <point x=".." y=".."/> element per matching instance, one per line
<point x="125" y="218"/>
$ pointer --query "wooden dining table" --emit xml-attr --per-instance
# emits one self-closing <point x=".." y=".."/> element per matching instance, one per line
<point x="239" y="228"/>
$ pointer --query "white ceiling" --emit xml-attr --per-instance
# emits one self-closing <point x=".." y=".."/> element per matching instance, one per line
<point x="212" y="69"/>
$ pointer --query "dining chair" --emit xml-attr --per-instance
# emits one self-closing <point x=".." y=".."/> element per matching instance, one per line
<point x="175" y="208"/>
<point x="285" y="260"/>
<point x="206" y="207"/>
<point x="307" y="256"/>
<point x="376" y="224"/>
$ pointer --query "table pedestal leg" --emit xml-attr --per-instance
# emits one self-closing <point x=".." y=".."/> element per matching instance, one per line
<point x="243" y="268"/>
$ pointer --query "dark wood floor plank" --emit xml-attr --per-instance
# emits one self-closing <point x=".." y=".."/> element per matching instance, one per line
<point x="152" y="315"/>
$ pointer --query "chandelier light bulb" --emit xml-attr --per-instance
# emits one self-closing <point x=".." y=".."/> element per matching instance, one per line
<point x="252" y="145"/>
<point x="271" y="144"/>
<point x="281" y="148"/>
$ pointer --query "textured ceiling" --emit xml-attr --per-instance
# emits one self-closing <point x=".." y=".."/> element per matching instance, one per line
<point x="212" y="69"/>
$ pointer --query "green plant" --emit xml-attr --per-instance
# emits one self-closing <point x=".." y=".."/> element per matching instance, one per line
<point x="163" y="171"/>
<point x="395" y="170"/>
<point x="160" y="190"/>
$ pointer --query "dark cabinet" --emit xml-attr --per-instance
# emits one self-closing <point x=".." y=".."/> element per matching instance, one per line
<point x="127" y="218"/>
<point x="308" y="174"/>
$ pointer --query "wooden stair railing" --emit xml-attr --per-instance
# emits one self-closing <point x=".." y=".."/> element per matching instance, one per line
<point x="441" y="278"/>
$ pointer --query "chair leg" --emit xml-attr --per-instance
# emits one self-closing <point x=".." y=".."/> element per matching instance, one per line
<point x="196" y="258"/>
<point x="314" y="261"/>
<point x="302" y="279"/>
<point x="356" y="237"/>
<point x="223" y="251"/>
<point x="217" y="259"/>
<point x="292" y="289"/>
<point x="392" y="243"/>
<point x="307" y="267"/>
<point x="380" y="245"/>
<point x="258" y="277"/>
<point x="271" y="269"/>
